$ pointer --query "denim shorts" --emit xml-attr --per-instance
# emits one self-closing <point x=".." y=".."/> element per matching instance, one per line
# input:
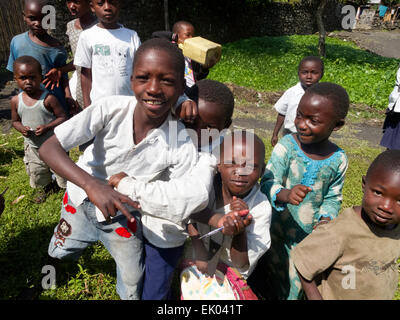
<point x="78" y="228"/>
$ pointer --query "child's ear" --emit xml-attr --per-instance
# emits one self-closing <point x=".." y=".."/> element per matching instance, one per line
<point x="262" y="170"/>
<point x="91" y="6"/>
<point x="363" y="179"/>
<point x="339" y="124"/>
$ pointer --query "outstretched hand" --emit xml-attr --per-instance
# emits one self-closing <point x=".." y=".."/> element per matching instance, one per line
<point x="52" y="78"/>
<point x="109" y="201"/>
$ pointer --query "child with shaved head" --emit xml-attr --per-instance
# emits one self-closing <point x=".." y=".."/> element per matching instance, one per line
<point x="355" y="256"/>
<point x="235" y="189"/>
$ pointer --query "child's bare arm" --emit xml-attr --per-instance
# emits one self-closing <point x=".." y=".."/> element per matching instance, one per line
<point x="200" y="251"/>
<point x="54" y="75"/>
<point x="86" y="83"/>
<point x="103" y="196"/>
<point x="238" y="250"/>
<point x="16" y="120"/>
<point x="278" y="125"/>
<point x="74" y="107"/>
<point x="310" y="288"/>
<point x="51" y="103"/>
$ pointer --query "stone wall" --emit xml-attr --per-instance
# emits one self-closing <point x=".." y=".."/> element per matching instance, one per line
<point x="218" y="20"/>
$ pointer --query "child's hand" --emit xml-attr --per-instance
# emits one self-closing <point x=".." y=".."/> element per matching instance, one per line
<point x="238" y="204"/>
<point x="73" y="105"/>
<point x="109" y="201"/>
<point x="297" y="194"/>
<point x="52" y="78"/>
<point x="40" y="130"/>
<point x="116" y="178"/>
<point x="235" y="222"/>
<point x="187" y="111"/>
<point x="202" y="266"/>
<point x="274" y="140"/>
<point x="26" y="131"/>
<point x="323" y="220"/>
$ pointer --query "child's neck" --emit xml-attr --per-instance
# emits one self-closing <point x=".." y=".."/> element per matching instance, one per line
<point x="317" y="151"/>
<point x="113" y="25"/>
<point x="85" y="21"/>
<point x="44" y="39"/>
<point x="142" y="125"/>
<point x="31" y="98"/>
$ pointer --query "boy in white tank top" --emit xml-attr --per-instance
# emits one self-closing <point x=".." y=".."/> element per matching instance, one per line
<point x="35" y="113"/>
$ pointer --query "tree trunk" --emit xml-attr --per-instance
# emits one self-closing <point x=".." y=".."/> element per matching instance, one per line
<point x="166" y="18"/>
<point x="321" y="28"/>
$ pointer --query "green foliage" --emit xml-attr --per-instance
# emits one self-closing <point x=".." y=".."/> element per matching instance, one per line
<point x="270" y="64"/>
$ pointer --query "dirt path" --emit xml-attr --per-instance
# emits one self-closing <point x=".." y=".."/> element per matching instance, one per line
<point x="254" y="110"/>
<point x="383" y="43"/>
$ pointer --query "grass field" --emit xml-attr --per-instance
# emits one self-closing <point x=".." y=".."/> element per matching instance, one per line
<point x="270" y="64"/>
<point x="265" y="64"/>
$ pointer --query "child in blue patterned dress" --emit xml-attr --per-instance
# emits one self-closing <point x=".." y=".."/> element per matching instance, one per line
<point x="303" y="181"/>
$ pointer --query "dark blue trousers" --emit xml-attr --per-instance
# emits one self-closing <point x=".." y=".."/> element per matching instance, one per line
<point x="160" y="264"/>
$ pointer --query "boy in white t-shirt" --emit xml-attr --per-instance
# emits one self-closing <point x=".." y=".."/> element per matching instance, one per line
<point x="105" y="53"/>
<point x="310" y="71"/>
<point x="134" y="134"/>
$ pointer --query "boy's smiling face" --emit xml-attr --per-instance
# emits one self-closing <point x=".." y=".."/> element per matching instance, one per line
<point x="106" y="12"/>
<point x="156" y="83"/>
<point x="381" y="200"/>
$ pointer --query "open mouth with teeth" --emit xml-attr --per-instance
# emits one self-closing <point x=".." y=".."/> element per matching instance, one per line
<point x="154" y="104"/>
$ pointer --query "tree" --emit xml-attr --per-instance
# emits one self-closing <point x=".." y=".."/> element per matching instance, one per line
<point x="321" y="28"/>
<point x="166" y="15"/>
<point x="320" y="22"/>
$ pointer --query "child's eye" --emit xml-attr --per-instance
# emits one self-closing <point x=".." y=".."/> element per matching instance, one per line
<point x="377" y="192"/>
<point x="141" y="77"/>
<point x="168" y="81"/>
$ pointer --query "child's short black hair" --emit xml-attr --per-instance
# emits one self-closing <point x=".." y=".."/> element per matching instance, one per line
<point x="389" y="160"/>
<point x="313" y="59"/>
<point x="39" y="2"/>
<point x="27" y="60"/>
<point x="178" y="25"/>
<point x="333" y="92"/>
<point x="231" y="138"/>
<point x="213" y="91"/>
<point x="162" y="44"/>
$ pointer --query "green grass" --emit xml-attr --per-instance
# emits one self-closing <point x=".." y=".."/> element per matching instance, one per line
<point x="270" y="64"/>
<point x="265" y="64"/>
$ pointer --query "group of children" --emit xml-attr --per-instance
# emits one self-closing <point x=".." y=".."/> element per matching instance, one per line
<point x="148" y="179"/>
